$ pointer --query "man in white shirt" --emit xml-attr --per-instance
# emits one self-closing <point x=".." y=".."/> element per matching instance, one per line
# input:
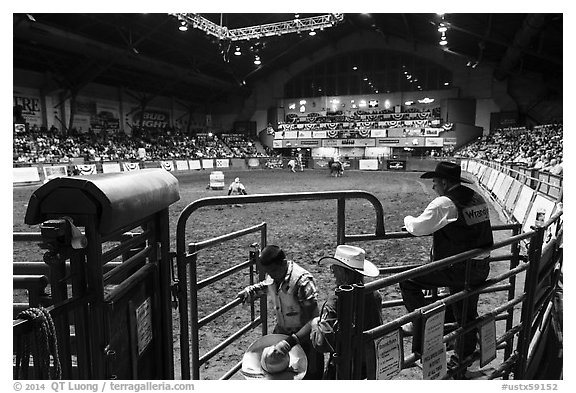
<point x="458" y="220"/>
<point x="237" y="188"/>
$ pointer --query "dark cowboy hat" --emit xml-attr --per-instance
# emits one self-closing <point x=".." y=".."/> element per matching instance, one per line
<point x="271" y="254"/>
<point x="446" y="170"/>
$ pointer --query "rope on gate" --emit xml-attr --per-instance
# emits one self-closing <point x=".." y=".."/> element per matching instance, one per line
<point x="45" y="345"/>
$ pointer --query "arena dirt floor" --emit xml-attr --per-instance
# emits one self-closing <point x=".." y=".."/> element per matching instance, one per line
<point x="305" y="229"/>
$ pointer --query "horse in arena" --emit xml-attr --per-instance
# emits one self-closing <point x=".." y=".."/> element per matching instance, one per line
<point x="336" y="169"/>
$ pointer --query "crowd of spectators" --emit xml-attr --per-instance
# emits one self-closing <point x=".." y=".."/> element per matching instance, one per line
<point x="40" y="145"/>
<point x="538" y="148"/>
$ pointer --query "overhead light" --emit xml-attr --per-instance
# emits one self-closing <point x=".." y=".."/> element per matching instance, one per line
<point x="442" y="28"/>
<point x="183" y="26"/>
<point x="443" y="41"/>
<point x="312" y="33"/>
<point x="446" y="83"/>
<point x="296" y="16"/>
<point x="426" y="100"/>
<point x="354" y="68"/>
<point x="237" y="51"/>
<point x="365" y="78"/>
<point x="257" y="60"/>
<point x="408" y="103"/>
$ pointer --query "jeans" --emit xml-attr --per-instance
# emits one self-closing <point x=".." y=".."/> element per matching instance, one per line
<point x="453" y="278"/>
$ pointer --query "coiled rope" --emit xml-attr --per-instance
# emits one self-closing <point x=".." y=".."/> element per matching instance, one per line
<point x="42" y="341"/>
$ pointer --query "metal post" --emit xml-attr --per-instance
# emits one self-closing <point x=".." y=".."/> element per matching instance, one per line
<point x="162" y="226"/>
<point x="530" y="287"/>
<point x="358" y="341"/>
<point x="345" y="311"/>
<point x="193" y="300"/>
<point x="341" y="222"/>
<point x="261" y="276"/>
<point x="514" y="262"/>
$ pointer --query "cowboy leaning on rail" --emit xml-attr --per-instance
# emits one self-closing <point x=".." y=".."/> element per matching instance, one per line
<point x="459" y="220"/>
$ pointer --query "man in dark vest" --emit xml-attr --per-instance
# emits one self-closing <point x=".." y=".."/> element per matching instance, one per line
<point x="458" y="220"/>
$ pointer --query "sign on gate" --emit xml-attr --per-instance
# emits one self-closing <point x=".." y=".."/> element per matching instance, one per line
<point x="388" y="355"/>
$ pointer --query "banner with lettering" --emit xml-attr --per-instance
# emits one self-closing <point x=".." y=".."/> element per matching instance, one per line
<point x="110" y="167"/>
<point x="51" y="172"/>
<point x="194" y="164"/>
<point x="181" y="165"/>
<point x="150" y="118"/>
<point x="97" y="115"/>
<point x="27" y="107"/>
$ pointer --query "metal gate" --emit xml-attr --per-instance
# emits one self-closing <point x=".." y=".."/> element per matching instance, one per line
<point x="188" y="284"/>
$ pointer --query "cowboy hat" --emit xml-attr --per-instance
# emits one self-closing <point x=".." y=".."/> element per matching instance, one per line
<point x="446" y="170"/>
<point x="252" y="366"/>
<point x="352" y="258"/>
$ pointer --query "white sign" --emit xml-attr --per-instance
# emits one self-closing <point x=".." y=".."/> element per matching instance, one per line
<point x="388" y="355"/>
<point x="433" y="348"/>
<point x="434" y="142"/>
<point x="144" y="325"/>
<point x="51" y="172"/>
<point x="487" y="342"/>
<point x="371" y="165"/>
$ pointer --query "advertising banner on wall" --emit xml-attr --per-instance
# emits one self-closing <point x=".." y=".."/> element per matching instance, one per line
<point x="27" y="104"/>
<point x="396" y="165"/>
<point x="149" y="119"/>
<point x="96" y="115"/>
<point x="348" y="142"/>
<point x="434" y="142"/>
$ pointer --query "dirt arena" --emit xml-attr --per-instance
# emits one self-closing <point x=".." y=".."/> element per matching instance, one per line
<point x="306" y="230"/>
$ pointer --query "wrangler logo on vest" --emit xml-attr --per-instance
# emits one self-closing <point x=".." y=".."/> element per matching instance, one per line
<point x="476" y="214"/>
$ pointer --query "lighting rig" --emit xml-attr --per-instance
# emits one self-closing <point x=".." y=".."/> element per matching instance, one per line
<point x="296" y="25"/>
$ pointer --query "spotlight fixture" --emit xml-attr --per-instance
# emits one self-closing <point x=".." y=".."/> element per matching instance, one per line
<point x="354" y="68"/>
<point x="257" y="60"/>
<point x="442" y="28"/>
<point x="183" y="26"/>
<point x="312" y="33"/>
<point x="237" y="51"/>
<point x="443" y="41"/>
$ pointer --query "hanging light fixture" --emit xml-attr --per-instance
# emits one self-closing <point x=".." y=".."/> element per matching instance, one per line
<point x="257" y="60"/>
<point x="443" y="40"/>
<point x="237" y="51"/>
<point x="183" y="26"/>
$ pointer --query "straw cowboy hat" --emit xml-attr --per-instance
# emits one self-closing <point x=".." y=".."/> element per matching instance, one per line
<point x="446" y="170"/>
<point x="294" y="368"/>
<point x="353" y="258"/>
